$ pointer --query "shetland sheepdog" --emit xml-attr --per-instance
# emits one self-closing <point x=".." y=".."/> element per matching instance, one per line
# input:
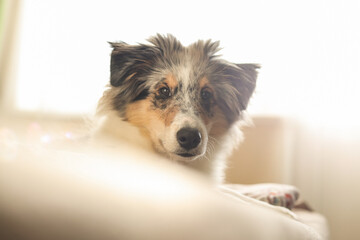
<point x="183" y="102"/>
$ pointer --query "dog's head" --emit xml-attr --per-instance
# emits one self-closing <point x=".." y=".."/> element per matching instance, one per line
<point x="179" y="97"/>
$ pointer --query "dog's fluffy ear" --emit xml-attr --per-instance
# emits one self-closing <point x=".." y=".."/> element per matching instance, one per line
<point x="246" y="82"/>
<point x="239" y="85"/>
<point x="129" y="62"/>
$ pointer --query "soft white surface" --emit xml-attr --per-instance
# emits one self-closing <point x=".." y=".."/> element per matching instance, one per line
<point x="124" y="194"/>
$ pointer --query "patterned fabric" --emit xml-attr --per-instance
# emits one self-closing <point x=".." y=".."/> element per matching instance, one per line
<point x="275" y="194"/>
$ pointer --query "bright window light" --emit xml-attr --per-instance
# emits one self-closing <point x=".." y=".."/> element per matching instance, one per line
<point x="309" y="50"/>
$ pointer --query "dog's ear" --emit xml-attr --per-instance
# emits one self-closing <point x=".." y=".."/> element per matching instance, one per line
<point x="238" y="85"/>
<point x="130" y="62"/>
<point x="246" y="82"/>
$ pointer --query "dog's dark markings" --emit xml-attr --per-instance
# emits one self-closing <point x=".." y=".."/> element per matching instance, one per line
<point x="207" y="107"/>
<point x="176" y="91"/>
<point x="197" y="113"/>
<point x="119" y="102"/>
<point x="234" y="85"/>
<point x="191" y="89"/>
<point x="155" y="103"/>
<point x="159" y="97"/>
<point x="131" y="66"/>
<point x="159" y="102"/>
<point x="183" y="110"/>
<point x="143" y="95"/>
<point x="163" y="106"/>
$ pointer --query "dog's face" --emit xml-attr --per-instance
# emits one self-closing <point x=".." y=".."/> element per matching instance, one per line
<point x="181" y="98"/>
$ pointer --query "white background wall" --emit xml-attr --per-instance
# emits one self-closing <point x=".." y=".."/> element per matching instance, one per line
<point x="308" y="49"/>
<point x="309" y="52"/>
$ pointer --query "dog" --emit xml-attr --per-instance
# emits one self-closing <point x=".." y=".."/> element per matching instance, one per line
<point x="185" y="103"/>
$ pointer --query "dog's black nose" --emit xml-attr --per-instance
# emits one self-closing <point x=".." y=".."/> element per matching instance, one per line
<point x="188" y="138"/>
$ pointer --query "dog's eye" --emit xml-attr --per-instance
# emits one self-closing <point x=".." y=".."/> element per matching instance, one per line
<point x="165" y="92"/>
<point x="206" y="95"/>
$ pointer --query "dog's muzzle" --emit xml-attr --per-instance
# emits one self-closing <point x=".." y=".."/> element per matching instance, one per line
<point x="188" y="138"/>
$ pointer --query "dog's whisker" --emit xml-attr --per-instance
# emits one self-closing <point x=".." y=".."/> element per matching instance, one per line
<point x="214" y="139"/>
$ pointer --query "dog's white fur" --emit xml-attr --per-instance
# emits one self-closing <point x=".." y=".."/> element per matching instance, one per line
<point x="110" y="130"/>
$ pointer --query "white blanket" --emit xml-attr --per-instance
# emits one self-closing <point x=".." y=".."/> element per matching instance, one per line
<point x="126" y="194"/>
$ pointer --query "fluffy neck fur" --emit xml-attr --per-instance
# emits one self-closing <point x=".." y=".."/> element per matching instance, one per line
<point x="111" y="130"/>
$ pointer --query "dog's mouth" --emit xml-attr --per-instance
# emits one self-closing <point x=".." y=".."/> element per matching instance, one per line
<point x="186" y="155"/>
